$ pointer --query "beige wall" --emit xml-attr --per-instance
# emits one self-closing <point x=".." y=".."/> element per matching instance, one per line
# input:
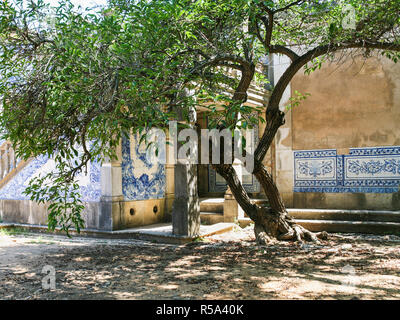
<point x="355" y="104"/>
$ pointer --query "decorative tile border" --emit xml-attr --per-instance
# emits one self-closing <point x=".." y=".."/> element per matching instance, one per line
<point x="140" y="179"/>
<point x="90" y="187"/>
<point x="364" y="170"/>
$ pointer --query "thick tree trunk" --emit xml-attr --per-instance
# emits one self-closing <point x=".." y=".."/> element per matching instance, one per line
<point x="283" y="226"/>
<point x="271" y="223"/>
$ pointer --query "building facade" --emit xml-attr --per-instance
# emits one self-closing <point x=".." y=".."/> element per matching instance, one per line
<point x="339" y="149"/>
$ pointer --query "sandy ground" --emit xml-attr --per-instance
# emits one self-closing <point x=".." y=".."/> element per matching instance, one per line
<point x="228" y="266"/>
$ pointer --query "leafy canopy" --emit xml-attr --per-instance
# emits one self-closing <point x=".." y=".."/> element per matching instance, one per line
<point x="74" y="81"/>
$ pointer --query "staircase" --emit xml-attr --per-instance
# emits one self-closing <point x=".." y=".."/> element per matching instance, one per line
<point x="212" y="209"/>
<point x="345" y="221"/>
<point x="351" y="221"/>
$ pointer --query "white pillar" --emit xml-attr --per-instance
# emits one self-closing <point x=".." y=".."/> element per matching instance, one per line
<point x="111" y="208"/>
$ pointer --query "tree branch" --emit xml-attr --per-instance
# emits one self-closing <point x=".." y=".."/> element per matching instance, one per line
<point x="270" y="11"/>
<point x="225" y="60"/>
<point x="285" y="51"/>
<point x="295" y="3"/>
<point x="275" y="118"/>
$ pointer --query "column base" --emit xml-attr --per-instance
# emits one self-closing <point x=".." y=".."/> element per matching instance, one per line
<point x="186" y="216"/>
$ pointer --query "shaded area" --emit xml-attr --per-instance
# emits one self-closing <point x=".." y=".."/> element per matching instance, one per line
<point x="218" y="269"/>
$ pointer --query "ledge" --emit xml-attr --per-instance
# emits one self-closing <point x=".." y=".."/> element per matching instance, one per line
<point x="161" y="233"/>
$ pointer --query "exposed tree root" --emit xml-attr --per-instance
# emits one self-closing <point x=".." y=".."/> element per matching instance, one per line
<point x="272" y="226"/>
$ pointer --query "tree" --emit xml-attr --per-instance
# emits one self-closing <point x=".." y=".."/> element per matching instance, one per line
<point x="96" y="76"/>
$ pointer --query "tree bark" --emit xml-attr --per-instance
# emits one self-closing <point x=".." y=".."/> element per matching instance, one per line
<point x="286" y="228"/>
<point x="271" y="223"/>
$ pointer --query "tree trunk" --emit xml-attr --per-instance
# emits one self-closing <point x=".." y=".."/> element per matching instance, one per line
<point x="284" y="227"/>
<point x="270" y="224"/>
<point x="273" y="223"/>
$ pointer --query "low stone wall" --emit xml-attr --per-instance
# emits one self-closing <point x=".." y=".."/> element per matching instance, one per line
<point x="350" y="201"/>
<point x="103" y="215"/>
<point x="143" y="212"/>
<point x="30" y="212"/>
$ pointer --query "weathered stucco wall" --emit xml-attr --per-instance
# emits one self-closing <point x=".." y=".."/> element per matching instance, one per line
<point x="281" y="149"/>
<point x="353" y="105"/>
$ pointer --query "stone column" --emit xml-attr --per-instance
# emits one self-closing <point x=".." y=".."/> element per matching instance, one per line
<point x="186" y="208"/>
<point x="232" y="209"/>
<point x="169" y="183"/>
<point x="111" y="201"/>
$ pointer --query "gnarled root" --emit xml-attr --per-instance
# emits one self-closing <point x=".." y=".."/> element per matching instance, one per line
<point x="272" y="226"/>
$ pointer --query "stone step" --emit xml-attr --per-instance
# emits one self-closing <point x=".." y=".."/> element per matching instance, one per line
<point x="211" y="217"/>
<point x="345" y="215"/>
<point x="372" y="227"/>
<point x="217" y="204"/>
<point x="212" y="205"/>
<point x="261" y="202"/>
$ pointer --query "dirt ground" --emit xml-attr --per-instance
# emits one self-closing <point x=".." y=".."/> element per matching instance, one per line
<point x="228" y="266"/>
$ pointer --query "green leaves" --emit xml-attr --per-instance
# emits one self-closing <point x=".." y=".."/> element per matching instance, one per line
<point x="93" y="76"/>
<point x="394" y="56"/>
<point x="314" y="65"/>
<point x="62" y="195"/>
<point x="296" y="99"/>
